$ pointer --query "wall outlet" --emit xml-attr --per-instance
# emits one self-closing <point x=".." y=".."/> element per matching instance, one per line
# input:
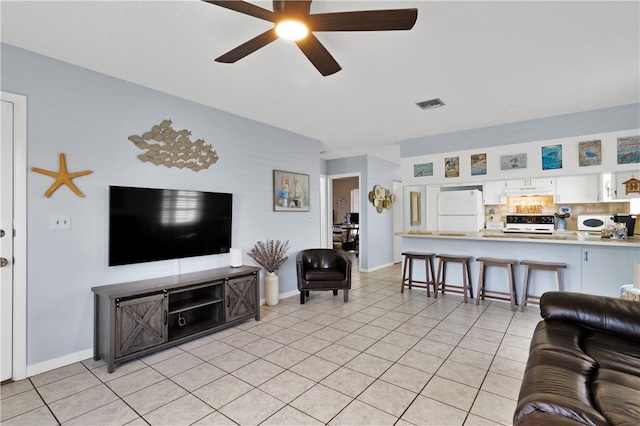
<point x="60" y="222"/>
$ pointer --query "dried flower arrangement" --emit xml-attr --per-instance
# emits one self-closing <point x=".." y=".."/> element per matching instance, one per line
<point x="270" y="254"/>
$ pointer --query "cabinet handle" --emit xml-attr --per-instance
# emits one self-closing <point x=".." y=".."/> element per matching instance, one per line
<point x="586" y="256"/>
<point x="165" y="317"/>
<point x="228" y="301"/>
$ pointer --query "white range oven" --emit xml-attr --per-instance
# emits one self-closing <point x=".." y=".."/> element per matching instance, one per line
<point x="594" y="223"/>
<point x="530" y="224"/>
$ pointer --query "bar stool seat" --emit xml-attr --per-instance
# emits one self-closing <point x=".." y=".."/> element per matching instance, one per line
<point x="407" y="280"/>
<point x="494" y="294"/>
<point x="530" y="265"/>
<point x="442" y="285"/>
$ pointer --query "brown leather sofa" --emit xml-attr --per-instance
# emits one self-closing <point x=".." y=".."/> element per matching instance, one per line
<point x="323" y="269"/>
<point x="584" y="363"/>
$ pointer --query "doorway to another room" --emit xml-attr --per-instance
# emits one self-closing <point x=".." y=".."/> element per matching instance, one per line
<point x="344" y="198"/>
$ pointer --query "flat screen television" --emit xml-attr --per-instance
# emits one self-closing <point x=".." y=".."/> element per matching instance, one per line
<point x="146" y="224"/>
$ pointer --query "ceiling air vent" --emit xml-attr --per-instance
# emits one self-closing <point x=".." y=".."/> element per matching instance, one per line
<point x="430" y="104"/>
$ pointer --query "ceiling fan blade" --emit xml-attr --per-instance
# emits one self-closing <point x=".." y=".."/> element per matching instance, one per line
<point x="366" y="20"/>
<point x="246" y="8"/>
<point x="318" y="55"/>
<point x="299" y="8"/>
<point x="248" y="47"/>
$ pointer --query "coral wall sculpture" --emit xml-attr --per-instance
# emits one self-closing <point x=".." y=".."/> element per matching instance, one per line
<point x="171" y="148"/>
<point x="381" y="198"/>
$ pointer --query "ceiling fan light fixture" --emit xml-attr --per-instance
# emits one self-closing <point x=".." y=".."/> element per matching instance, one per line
<point x="291" y="30"/>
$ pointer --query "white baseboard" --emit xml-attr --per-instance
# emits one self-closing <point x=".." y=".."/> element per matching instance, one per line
<point x="386" y="265"/>
<point x="282" y="296"/>
<point x="289" y="294"/>
<point x="52" y="364"/>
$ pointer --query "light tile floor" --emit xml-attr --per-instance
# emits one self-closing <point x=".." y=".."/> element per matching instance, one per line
<point x="383" y="358"/>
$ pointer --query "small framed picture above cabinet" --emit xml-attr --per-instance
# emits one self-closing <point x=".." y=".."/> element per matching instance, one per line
<point x="590" y="153"/>
<point x="629" y="150"/>
<point x="478" y="164"/>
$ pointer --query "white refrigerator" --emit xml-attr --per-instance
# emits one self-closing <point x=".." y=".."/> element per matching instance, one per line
<point x="460" y="211"/>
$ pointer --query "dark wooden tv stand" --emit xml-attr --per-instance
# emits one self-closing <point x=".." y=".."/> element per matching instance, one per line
<point x="135" y="318"/>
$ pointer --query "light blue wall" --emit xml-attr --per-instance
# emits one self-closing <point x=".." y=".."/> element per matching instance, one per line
<point x="89" y="116"/>
<point x="379" y="226"/>
<point x="604" y="120"/>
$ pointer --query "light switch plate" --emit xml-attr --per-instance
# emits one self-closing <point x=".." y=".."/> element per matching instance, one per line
<point x="60" y="222"/>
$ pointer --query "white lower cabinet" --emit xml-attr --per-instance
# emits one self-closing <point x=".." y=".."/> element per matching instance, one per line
<point x="604" y="270"/>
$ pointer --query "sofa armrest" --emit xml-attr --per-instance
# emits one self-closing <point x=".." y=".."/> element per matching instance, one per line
<point x="608" y="314"/>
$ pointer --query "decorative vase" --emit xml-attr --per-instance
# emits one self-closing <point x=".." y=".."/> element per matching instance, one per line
<point x="271" y="289"/>
<point x="283" y="202"/>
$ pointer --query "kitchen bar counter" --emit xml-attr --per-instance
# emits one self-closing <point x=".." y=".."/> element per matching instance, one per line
<point x="567" y="237"/>
<point x="594" y="265"/>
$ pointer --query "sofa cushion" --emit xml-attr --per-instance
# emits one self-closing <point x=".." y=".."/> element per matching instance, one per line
<point x="560" y="337"/>
<point x="584" y="363"/>
<point x="323" y="275"/>
<point x="617" y="316"/>
<point x="617" y="396"/>
<point x="540" y="418"/>
<point x="614" y="353"/>
<point x="558" y="383"/>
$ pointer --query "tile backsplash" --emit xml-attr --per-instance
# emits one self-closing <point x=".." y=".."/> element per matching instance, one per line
<point x="545" y="205"/>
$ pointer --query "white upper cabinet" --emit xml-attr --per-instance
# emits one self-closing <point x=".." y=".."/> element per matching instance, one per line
<point x="618" y="180"/>
<point x="543" y="182"/>
<point x="530" y="183"/>
<point x="493" y="192"/>
<point x="577" y="189"/>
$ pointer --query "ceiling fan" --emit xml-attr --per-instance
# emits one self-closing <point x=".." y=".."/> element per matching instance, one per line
<point x="295" y="16"/>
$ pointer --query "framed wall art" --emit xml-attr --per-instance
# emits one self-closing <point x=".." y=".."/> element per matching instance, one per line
<point x="478" y="164"/>
<point x="629" y="150"/>
<point x="415" y="202"/>
<point x="451" y="167"/>
<point x="424" y="169"/>
<point x="552" y="157"/>
<point x="590" y="153"/>
<point x="290" y="191"/>
<point x="510" y="162"/>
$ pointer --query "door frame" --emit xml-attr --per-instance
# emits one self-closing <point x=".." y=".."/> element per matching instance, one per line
<point x="329" y="210"/>
<point x="19" y="345"/>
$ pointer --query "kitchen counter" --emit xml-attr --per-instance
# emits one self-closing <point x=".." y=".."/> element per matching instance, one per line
<point x="561" y="237"/>
<point x="594" y="265"/>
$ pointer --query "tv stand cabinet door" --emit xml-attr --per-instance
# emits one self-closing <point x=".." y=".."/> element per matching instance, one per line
<point x="242" y="298"/>
<point x="140" y="323"/>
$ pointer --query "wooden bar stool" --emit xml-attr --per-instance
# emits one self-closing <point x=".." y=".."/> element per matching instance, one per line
<point x="493" y="294"/>
<point x="428" y="266"/>
<point x="529" y="265"/>
<point x="442" y="272"/>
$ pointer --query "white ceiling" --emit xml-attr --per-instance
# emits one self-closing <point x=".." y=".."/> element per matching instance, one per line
<point x="490" y="62"/>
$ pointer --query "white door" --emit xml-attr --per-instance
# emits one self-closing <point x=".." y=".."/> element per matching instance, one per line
<point x="6" y="241"/>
